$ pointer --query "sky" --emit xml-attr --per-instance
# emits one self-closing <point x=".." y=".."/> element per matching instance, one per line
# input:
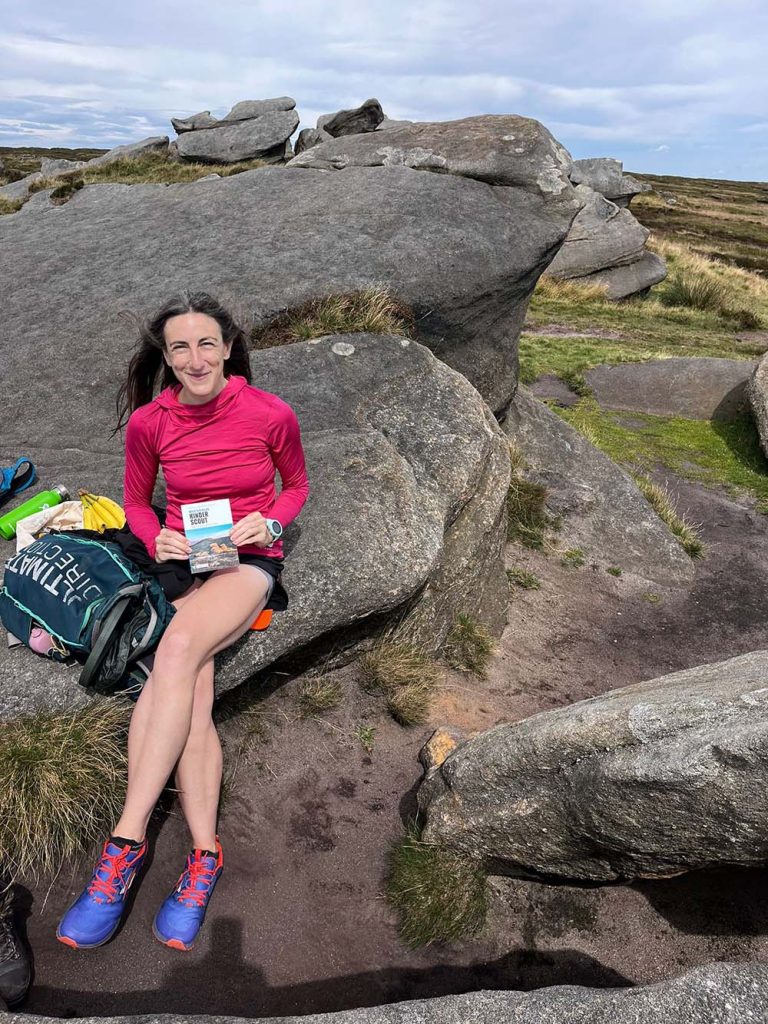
<point x="667" y="86"/>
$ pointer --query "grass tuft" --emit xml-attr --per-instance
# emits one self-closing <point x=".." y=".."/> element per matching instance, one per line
<point x="527" y="517"/>
<point x="62" y="784"/>
<point x="613" y="570"/>
<point x="469" y="646"/>
<point x="522" y="578"/>
<point x="406" y="674"/>
<point x="664" y="507"/>
<point x="319" y="695"/>
<point x="440" y="895"/>
<point x="371" y="310"/>
<point x="10" y="205"/>
<point x="366" y="734"/>
<point x="573" y="558"/>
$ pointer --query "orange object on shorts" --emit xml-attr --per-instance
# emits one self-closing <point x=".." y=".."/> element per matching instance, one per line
<point x="262" y="620"/>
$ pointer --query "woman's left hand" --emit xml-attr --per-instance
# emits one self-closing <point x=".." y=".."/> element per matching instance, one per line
<point x="252" y="529"/>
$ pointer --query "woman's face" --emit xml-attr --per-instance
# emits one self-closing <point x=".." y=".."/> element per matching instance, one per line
<point x="195" y="351"/>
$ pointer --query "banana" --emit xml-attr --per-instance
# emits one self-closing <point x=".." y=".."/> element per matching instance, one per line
<point x="100" y="513"/>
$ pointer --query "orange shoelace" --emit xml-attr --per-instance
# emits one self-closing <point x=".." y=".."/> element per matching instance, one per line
<point x="198" y="870"/>
<point x="113" y="864"/>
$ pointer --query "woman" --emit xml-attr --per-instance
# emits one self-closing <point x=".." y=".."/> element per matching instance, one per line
<point x="214" y="436"/>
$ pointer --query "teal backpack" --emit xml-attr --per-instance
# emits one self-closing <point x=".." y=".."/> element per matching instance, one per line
<point x="93" y="600"/>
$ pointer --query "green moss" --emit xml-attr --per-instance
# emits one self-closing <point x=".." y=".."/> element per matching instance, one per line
<point x="707" y="451"/>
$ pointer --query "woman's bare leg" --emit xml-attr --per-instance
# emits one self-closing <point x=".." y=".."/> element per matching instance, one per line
<point x="222" y="609"/>
<point x="198" y="773"/>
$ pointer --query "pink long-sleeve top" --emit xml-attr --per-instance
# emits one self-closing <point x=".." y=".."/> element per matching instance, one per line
<point x="229" y="447"/>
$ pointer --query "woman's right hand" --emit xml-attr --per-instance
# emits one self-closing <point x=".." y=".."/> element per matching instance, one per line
<point x="170" y="544"/>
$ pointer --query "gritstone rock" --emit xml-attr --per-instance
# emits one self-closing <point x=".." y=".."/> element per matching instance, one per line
<point x="49" y="168"/>
<point x="757" y="394"/>
<point x="604" y="237"/>
<point x="630" y="279"/>
<point x="698" y="388"/>
<point x="196" y="122"/>
<point x="605" y="175"/>
<point x="246" y="110"/>
<point x="309" y="137"/>
<point x="643" y="782"/>
<point x="719" y="993"/>
<point x="465" y="256"/>
<point x="397" y="444"/>
<point x="364" y="118"/>
<point x="501" y="149"/>
<point x="19" y="189"/>
<point x="261" y="137"/>
<point x="154" y="144"/>
<point x="603" y="510"/>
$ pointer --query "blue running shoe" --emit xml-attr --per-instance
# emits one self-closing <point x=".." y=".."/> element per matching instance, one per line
<point x="181" y="914"/>
<point x="95" y="915"/>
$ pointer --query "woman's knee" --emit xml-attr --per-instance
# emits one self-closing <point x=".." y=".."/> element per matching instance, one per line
<point x="178" y="650"/>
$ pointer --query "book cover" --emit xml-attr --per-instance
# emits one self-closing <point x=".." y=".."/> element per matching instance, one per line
<point x="207" y="526"/>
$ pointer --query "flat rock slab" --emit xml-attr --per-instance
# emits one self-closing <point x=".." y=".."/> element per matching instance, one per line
<point x="260" y="137"/>
<point x="697" y="389"/>
<point x="603" y="510"/>
<point x="647" y="781"/>
<point x="632" y="278"/>
<point x="720" y="993"/>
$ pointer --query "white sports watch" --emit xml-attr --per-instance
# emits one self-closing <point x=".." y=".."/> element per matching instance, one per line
<point x="275" y="530"/>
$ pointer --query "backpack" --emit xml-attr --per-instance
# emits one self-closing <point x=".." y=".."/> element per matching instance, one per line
<point x="93" y="601"/>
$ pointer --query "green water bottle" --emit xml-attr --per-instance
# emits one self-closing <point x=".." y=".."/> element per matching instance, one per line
<point x="45" y="499"/>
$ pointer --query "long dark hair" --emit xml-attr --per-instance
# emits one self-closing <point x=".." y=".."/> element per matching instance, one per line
<point x="147" y="363"/>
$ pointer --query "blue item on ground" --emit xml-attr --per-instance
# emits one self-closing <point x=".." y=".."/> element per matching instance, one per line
<point x="95" y="915"/>
<point x="181" y="914"/>
<point x="14" y="479"/>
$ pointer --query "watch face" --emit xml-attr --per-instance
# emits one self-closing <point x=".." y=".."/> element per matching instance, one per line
<point x="274" y="527"/>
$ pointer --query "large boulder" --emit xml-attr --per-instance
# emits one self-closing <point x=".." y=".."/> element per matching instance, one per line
<point x="606" y="175"/>
<point x="634" y="278"/>
<point x="195" y="122"/>
<point x="408" y="473"/>
<point x="603" y="237"/>
<point x="719" y="993"/>
<point x="501" y="149"/>
<point x="309" y="137"/>
<point x="602" y="508"/>
<point x="464" y="255"/>
<point x="642" y="782"/>
<point x="246" y="110"/>
<point x="133" y="150"/>
<point x="365" y="118"/>
<point x="757" y="395"/>
<point x="261" y="138"/>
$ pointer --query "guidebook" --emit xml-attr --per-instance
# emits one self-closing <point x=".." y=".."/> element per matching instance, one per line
<point x="207" y="525"/>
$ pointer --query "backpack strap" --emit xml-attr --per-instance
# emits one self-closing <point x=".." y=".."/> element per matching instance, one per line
<point x="90" y="671"/>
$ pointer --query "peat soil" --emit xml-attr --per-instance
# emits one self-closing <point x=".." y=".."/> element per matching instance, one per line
<point x="298" y="923"/>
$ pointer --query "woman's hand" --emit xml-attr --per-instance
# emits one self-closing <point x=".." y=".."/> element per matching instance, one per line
<point x="251" y="529"/>
<point x="170" y="544"/>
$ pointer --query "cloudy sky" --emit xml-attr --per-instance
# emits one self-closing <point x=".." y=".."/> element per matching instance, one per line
<point x="668" y="86"/>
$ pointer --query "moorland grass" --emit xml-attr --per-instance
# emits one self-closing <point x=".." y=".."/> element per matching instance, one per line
<point x="469" y="645"/>
<point x="62" y="784"/>
<point x="709" y="451"/>
<point x="523" y="578"/>
<point x="319" y="695"/>
<point x="370" y="310"/>
<point x="405" y="673"/>
<point x="665" y="508"/>
<point x="439" y="895"/>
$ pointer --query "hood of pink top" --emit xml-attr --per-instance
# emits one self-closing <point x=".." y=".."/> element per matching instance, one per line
<point x="169" y="399"/>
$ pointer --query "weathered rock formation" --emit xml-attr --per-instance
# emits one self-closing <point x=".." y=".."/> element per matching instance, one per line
<point x="253" y="129"/>
<point x="603" y="510"/>
<point x="606" y="245"/>
<point x="757" y="395"/>
<point x="606" y="175"/>
<point x="642" y="782"/>
<point x="697" y="388"/>
<point x="365" y="118"/>
<point x="720" y="993"/>
<point x="402" y="454"/>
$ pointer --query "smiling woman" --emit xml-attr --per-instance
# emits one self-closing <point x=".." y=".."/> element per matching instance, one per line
<point x="214" y="436"/>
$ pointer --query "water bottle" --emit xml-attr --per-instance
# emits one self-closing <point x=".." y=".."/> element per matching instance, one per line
<point x="44" y="499"/>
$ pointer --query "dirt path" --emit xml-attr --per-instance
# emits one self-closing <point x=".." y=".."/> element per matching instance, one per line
<point x="298" y="923"/>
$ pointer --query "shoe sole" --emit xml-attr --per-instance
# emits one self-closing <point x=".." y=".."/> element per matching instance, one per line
<point x="67" y="941"/>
